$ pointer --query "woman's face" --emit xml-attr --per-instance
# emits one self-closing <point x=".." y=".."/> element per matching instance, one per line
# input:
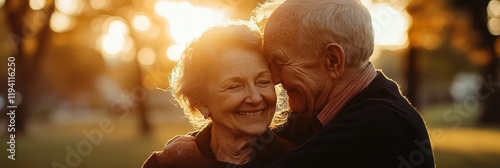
<point x="241" y="96"/>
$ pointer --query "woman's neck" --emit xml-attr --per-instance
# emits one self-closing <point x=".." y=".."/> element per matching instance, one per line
<point x="231" y="148"/>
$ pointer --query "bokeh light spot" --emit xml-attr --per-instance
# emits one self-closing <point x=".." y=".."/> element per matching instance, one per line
<point x="117" y="27"/>
<point x="146" y="56"/>
<point x="112" y="44"/>
<point x="60" y="22"/>
<point x="37" y="4"/>
<point x="494" y="8"/>
<point x="70" y="7"/>
<point x="494" y="26"/>
<point x="99" y="4"/>
<point x="141" y="22"/>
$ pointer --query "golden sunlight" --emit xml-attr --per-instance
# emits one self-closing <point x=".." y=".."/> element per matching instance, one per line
<point x="60" y="22"/>
<point x="174" y="52"/>
<point x="390" y="25"/>
<point x="37" y="4"/>
<point x="2" y="2"/>
<point x="186" y="22"/>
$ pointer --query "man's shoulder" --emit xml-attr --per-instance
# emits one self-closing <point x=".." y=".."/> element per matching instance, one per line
<point x="379" y="114"/>
<point x="379" y="121"/>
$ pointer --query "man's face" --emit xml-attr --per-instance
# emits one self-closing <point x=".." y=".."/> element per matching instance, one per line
<point x="303" y="79"/>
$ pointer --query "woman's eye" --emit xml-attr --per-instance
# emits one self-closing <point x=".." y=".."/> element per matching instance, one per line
<point x="232" y="87"/>
<point x="264" y="83"/>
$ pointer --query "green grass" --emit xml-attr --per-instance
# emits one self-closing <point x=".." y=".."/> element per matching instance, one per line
<point x="457" y="139"/>
<point x="123" y="147"/>
<point x="464" y="146"/>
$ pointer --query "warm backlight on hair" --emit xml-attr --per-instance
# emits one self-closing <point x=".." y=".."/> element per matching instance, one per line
<point x="186" y="22"/>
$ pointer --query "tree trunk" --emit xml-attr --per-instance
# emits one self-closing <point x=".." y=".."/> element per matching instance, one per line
<point x="21" y="29"/>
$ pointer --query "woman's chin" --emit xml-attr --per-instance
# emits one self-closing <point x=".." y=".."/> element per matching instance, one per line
<point x="255" y="130"/>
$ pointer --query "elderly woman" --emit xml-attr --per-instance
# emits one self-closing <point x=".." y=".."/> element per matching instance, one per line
<point x="224" y="85"/>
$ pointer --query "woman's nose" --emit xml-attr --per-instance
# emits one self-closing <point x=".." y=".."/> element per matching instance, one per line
<point x="254" y="97"/>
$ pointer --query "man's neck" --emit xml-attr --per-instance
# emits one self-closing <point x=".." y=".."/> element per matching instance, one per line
<point x="354" y="82"/>
<point x="334" y="87"/>
<point x="350" y="74"/>
<point x="231" y="148"/>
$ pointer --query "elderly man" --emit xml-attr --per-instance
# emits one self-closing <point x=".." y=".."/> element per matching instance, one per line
<point x="346" y="114"/>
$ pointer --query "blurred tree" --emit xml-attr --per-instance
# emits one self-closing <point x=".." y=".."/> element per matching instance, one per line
<point x="31" y="36"/>
<point x="28" y="38"/>
<point x="459" y="28"/>
<point x="484" y="46"/>
<point x="425" y="34"/>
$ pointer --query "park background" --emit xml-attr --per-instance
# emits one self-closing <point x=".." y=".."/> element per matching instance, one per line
<point x="91" y="74"/>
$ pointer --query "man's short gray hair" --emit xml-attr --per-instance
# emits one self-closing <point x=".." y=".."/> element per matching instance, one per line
<point x="346" y="22"/>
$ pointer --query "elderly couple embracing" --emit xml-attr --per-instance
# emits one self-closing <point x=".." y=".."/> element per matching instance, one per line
<point x="342" y="112"/>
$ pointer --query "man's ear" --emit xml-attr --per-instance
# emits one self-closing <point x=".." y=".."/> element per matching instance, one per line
<point x="335" y="60"/>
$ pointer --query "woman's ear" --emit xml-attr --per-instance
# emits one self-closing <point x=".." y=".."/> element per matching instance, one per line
<point x="203" y="109"/>
<point x="335" y="60"/>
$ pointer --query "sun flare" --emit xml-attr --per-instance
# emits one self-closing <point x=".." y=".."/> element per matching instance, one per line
<point x="186" y="22"/>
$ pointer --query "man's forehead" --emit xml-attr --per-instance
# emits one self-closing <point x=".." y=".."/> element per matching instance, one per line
<point x="281" y="30"/>
<point x="283" y="22"/>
